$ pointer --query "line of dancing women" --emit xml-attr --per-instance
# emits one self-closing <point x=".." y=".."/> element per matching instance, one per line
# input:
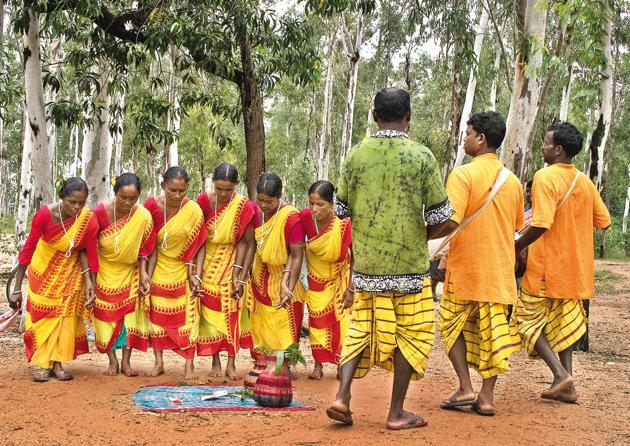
<point x="216" y="274"/>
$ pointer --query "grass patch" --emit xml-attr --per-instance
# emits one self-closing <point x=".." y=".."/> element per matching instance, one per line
<point x="605" y="281"/>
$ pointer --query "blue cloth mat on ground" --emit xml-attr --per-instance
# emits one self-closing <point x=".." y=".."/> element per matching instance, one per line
<point x="188" y="399"/>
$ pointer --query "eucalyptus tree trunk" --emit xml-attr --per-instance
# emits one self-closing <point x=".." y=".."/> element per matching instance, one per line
<point x="97" y="145"/>
<point x="41" y="161"/>
<point x="626" y="209"/>
<point x="353" y="50"/>
<point x="604" y="113"/>
<point x="117" y="137"/>
<point x="527" y="85"/>
<point x="472" y="85"/>
<point x="173" y="120"/>
<point x="324" y="139"/>
<point x="50" y="95"/>
<point x="494" y="86"/>
<point x="566" y="96"/>
<point x="25" y="191"/>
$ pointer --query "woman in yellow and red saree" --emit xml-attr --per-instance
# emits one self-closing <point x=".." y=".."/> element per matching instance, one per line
<point x="60" y="253"/>
<point x="328" y="259"/>
<point x="175" y="271"/>
<point x="228" y="254"/>
<point x="276" y="314"/>
<point x="125" y="241"/>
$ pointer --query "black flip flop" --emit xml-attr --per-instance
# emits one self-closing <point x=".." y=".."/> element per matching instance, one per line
<point x="453" y="403"/>
<point x="484" y="413"/>
<point x="342" y="417"/>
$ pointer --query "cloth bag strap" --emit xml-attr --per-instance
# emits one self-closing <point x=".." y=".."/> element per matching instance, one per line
<point x="500" y="181"/>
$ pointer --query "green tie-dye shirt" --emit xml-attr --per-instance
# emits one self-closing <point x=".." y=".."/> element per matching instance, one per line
<point x="390" y="186"/>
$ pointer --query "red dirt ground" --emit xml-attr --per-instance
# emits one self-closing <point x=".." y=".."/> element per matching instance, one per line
<point x="94" y="409"/>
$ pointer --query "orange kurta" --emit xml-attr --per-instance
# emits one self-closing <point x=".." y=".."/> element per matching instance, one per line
<point x="481" y="257"/>
<point x="563" y="256"/>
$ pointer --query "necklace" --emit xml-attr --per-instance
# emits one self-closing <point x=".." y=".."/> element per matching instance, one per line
<point x="264" y="236"/>
<point x="74" y="232"/>
<point x="116" y="226"/>
<point x="166" y="229"/>
<point x="214" y="223"/>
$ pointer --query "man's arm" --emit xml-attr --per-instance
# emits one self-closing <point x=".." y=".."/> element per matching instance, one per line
<point x="530" y="235"/>
<point x="441" y="229"/>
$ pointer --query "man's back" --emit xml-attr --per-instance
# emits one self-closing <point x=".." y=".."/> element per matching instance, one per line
<point x="563" y="256"/>
<point x="388" y="183"/>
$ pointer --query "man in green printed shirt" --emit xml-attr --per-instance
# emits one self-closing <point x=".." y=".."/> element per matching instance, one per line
<point x="392" y="189"/>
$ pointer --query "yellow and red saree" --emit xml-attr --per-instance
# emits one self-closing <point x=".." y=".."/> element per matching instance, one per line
<point x="119" y="312"/>
<point x="56" y="297"/>
<point x="219" y="328"/>
<point x="272" y="328"/>
<point x="328" y="266"/>
<point x="174" y="312"/>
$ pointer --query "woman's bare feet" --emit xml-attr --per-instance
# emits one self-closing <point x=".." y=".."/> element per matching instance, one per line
<point x="114" y="367"/>
<point x="157" y="370"/>
<point x="215" y="372"/>
<point x="189" y="371"/>
<point x="318" y="372"/>
<point x="230" y="370"/>
<point x="128" y="371"/>
<point x="557" y="387"/>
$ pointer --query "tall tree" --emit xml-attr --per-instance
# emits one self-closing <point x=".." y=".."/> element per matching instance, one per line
<point x="323" y="155"/>
<point x="41" y="161"/>
<point x="530" y="39"/>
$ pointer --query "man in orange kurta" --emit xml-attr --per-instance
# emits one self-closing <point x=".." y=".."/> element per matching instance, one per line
<point x="479" y="283"/>
<point x="560" y="264"/>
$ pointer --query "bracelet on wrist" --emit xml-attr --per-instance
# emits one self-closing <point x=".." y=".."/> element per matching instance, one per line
<point x="197" y="277"/>
<point x="350" y="289"/>
<point x="17" y="291"/>
<point x="85" y="271"/>
<point x="286" y="271"/>
<point x="237" y="266"/>
<point x="241" y="282"/>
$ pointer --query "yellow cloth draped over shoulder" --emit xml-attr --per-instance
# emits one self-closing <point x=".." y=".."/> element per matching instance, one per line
<point x="174" y="313"/>
<point x="119" y="315"/>
<point x="328" y="266"/>
<point x="56" y="296"/>
<point x="219" y="328"/>
<point x="273" y="328"/>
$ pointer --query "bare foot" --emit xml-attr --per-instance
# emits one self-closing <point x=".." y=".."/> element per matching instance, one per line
<point x="317" y="373"/>
<point x="157" y="370"/>
<point x="112" y="370"/>
<point x="484" y="403"/>
<point x="189" y="371"/>
<point x="557" y="388"/>
<point x="128" y="371"/>
<point x="230" y="372"/>
<point x="215" y="372"/>
<point x="568" y="396"/>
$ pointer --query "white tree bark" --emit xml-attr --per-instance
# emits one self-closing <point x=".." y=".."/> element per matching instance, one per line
<point x="118" y="136"/>
<point x="26" y="187"/>
<point x="324" y="140"/>
<point x="97" y="146"/>
<point x="566" y="96"/>
<point x="74" y="147"/>
<point x="472" y="86"/>
<point x="3" y="191"/>
<point x="173" y="116"/>
<point x="527" y="84"/>
<point x="604" y="114"/>
<point x="353" y="51"/>
<point x="495" y="78"/>
<point x="41" y="161"/>
<point x="56" y="54"/>
<point x="626" y="209"/>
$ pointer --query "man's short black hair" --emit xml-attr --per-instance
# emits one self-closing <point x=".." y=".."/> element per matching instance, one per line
<point x="392" y="104"/>
<point x="529" y="183"/>
<point x="491" y="124"/>
<point x="568" y="136"/>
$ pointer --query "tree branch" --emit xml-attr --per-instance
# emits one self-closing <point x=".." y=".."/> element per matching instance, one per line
<point x="486" y="6"/>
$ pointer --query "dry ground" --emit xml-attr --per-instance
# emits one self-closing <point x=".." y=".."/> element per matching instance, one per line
<point x="98" y="410"/>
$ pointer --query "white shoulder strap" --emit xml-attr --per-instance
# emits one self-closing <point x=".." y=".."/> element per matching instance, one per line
<point x="571" y="187"/>
<point x="501" y="179"/>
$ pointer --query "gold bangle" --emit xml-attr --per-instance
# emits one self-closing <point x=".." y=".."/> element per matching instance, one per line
<point x="85" y="271"/>
<point x="237" y="266"/>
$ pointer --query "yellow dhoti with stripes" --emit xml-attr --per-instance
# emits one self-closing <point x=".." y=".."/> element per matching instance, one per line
<point x="563" y="321"/>
<point x="490" y="338"/>
<point x="384" y="322"/>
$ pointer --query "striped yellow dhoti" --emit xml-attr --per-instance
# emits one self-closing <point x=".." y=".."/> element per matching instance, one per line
<point x="563" y="320"/>
<point x="490" y="338"/>
<point x="384" y="322"/>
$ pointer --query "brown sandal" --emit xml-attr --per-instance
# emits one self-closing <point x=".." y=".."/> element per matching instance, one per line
<point x="41" y="375"/>
<point x="337" y="415"/>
